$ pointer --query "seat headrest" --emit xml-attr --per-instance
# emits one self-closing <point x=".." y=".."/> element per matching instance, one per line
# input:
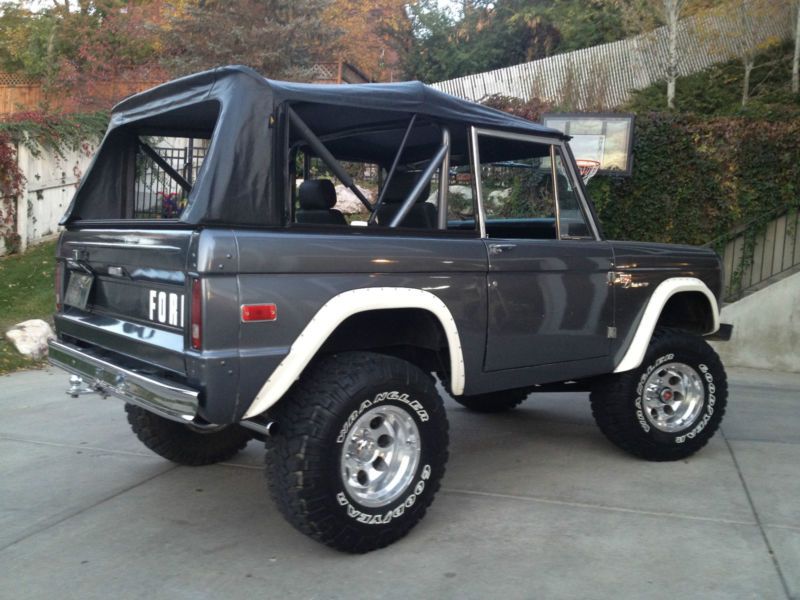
<point x="400" y="185"/>
<point x="316" y="194"/>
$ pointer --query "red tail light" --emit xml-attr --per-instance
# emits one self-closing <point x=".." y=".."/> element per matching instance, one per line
<point x="59" y="278"/>
<point x="196" y="324"/>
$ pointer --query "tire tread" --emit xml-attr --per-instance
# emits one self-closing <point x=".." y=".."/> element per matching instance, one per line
<point x="611" y="398"/>
<point x="176" y="442"/>
<point x="305" y="416"/>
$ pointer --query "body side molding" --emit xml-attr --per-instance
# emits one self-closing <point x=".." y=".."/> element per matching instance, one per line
<point x="666" y="289"/>
<point x="333" y="313"/>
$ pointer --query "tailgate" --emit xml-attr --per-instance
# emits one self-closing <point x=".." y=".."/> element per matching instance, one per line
<point x="138" y="303"/>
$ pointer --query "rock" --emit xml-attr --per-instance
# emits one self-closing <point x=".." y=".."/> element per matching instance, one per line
<point x="30" y="337"/>
<point x="348" y="203"/>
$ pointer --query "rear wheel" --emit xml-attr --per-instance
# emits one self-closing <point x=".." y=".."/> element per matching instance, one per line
<point x="183" y="443"/>
<point x="670" y="406"/>
<point x="494" y="402"/>
<point x="360" y="450"/>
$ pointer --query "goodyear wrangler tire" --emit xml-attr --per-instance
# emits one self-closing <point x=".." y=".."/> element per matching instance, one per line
<point x="494" y="402"/>
<point x="669" y="407"/>
<point x="184" y="444"/>
<point x="360" y="450"/>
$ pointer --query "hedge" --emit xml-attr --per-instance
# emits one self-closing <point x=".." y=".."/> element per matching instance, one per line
<point x="694" y="178"/>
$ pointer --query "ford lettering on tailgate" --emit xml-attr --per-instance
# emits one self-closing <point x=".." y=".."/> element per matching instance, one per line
<point x="166" y="308"/>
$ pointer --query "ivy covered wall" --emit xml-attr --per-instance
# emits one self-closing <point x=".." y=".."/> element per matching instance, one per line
<point x="42" y="157"/>
<point x="694" y="178"/>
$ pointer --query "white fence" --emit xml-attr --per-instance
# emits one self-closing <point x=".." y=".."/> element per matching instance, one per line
<point x="50" y="182"/>
<point x="603" y="76"/>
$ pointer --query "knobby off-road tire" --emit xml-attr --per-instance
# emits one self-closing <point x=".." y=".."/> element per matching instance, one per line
<point x="670" y="406"/>
<point x="182" y="444"/>
<point x="360" y="450"/>
<point x="494" y="402"/>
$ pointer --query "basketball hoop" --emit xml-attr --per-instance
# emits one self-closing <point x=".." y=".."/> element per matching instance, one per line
<point x="587" y="167"/>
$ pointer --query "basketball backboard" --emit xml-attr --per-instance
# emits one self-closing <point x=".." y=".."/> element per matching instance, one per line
<point x="604" y="137"/>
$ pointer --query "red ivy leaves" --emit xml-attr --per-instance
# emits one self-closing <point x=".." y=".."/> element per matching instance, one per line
<point x="11" y="178"/>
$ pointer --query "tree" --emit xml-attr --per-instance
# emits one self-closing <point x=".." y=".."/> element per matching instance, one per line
<point x="369" y="32"/>
<point x="490" y="34"/>
<point x="581" y="23"/>
<point x="796" y="58"/>
<point x="672" y="13"/>
<point x="277" y="38"/>
<point x="75" y="49"/>
<point x="114" y="42"/>
<point x="24" y="40"/>
<point x="750" y="12"/>
<point x="641" y="15"/>
<point x="484" y="36"/>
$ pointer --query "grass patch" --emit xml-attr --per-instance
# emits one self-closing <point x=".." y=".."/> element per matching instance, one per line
<point x="26" y="292"/>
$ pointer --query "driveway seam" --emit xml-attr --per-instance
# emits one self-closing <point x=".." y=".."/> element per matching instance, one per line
<point x="85" y="509"/>
<point x="7" y="438"/>
<point x="620" y="509"/>
<point x="763" y="441"/>
<point x="760" y="525"/>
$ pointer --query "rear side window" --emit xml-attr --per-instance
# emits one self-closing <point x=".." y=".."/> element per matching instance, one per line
<point x="147" y="169"/>
<point x="166" y="169"/>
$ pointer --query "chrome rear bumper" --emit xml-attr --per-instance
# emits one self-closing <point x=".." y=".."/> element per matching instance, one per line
<point x="165" y="398"/>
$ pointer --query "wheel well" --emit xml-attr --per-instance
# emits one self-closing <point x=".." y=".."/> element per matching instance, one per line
<point x="413" y="334"/>
<point x="689" y="311"/>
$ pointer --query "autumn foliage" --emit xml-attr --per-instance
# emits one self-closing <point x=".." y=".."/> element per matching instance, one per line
<point x="370" y="34"/>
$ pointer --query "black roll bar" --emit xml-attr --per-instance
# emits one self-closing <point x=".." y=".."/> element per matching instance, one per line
<point x="392" y="169"/>
<point x="319" y="148"/>
<point x="420" y="184"/>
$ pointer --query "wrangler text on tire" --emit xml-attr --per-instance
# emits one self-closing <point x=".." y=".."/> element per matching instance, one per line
<point x="671" y="405"/>
<point x="360" y="452"/>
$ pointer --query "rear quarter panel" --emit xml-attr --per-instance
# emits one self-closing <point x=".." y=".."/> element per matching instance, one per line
<point x="301" y="271"/>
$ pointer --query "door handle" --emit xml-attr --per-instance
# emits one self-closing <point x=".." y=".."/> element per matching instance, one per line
<point x="500" y="248"/>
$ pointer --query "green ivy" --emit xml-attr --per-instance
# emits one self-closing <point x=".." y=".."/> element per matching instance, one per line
<point x="694" y="178"/>
<point x="38" y="131"/>
<point x="54" y="132"/>
<point x="717" y="91"/>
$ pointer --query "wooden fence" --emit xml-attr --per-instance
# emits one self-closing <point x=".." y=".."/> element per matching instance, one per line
<point x="604" y="75"/>
<point x="18" y="93"/>
<point x="759" y="252"/>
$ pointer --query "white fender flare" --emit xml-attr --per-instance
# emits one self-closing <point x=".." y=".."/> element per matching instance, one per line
<point x="333" y="313"/>
<point x="665" y="290"/>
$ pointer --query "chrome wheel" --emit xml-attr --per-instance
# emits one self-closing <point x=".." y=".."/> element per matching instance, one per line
<point x="672" y="397"/>
<point x="380" y="455"/>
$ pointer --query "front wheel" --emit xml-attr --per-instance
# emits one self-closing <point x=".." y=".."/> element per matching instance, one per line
<point x="671" y="405"/>
<point x="360" y="452"/>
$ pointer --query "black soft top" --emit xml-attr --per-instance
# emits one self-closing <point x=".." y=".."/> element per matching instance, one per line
<point x="236" y="106"/>
<point x="243" y="88"/>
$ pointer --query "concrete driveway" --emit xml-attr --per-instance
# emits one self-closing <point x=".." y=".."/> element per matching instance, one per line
<point x="535" y="504"/>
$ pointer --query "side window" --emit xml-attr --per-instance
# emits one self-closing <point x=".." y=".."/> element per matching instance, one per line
<point x="377" y="169"/>
<point x="166" y="169"/>
<point x="320" y="198"/>
<point x="528" y="192"/>
<point x="573" y="223"/>
<point x="460" y="198"/>
<point x="517" y="188"/>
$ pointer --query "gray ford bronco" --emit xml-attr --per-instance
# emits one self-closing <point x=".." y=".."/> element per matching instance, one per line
<point x="214" y="277"/>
